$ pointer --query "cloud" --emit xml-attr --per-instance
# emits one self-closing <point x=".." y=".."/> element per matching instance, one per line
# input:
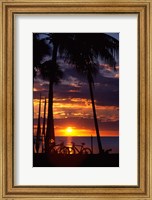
<point x="86" y="123"/>
<point x="106" y="90"/>
<point x="72" y="103"/>
<point x="107" y="71"/>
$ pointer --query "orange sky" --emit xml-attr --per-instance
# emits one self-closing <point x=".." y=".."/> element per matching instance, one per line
<point x="66" y="109"/>
<point x="72" y="105"/>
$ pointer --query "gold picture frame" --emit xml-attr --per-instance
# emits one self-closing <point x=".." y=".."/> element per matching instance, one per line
<point x="144" y="11"/>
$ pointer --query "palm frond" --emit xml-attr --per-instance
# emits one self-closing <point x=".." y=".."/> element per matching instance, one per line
<point x="51" y="71"/>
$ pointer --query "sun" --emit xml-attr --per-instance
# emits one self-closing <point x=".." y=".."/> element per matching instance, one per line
<point x="69" y="130"/>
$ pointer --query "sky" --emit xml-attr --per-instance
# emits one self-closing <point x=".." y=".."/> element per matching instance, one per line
<point x="72" y="107"/>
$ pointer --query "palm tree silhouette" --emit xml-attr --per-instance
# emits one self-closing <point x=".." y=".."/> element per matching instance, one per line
<point x="85" y="54"/>
<point x="50" y="70"/>
<point x="58" y="44"/>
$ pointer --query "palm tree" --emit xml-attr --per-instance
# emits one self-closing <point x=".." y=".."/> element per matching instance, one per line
<point x="61" y="45"/>
<point x="85" y="55"/>
<point x="50" y="71"/>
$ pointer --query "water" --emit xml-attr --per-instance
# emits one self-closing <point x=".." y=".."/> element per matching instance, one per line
<point x="107" y="143"/>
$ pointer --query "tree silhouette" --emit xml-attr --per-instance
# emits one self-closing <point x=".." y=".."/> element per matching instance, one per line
<point x="85" y="54"/>
<point x="50" y="71"/>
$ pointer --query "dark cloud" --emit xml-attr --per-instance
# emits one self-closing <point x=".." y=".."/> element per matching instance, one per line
<point x="74" y="85"/>
<point x="106" y="90"/>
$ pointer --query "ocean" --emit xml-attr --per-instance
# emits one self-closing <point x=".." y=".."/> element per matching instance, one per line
<point x="107" y="143"/>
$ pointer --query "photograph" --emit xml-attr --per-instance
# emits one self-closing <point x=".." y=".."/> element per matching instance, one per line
<point x="76" y="99"/>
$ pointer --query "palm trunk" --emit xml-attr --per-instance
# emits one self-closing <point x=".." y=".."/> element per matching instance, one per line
<point x="44" y="116"/>
<point x="50" y="121"/>
<point x="38" y="128"/>
<point x="95" y="117"/>
<point x="33" y="130"/>
<point x="43" y="132"/>
<point x="50" y="134"/>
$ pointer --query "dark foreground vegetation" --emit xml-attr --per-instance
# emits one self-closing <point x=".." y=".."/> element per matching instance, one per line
<point x="91" y="160"/>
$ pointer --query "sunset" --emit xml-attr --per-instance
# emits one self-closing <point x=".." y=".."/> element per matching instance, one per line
<point x="71" y="110"/>
<point x="76" y="112"/>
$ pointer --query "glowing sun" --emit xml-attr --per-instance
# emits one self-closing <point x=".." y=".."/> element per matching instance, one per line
<point x="69" y="130"/>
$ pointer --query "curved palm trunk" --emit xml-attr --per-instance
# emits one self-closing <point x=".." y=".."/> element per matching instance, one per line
<point x="50" y="121"/>
<point x="50" y="135"/>
<point x="44" y="117"/>
<point x="95" y="117"/>
<point x="43" y="131"/>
